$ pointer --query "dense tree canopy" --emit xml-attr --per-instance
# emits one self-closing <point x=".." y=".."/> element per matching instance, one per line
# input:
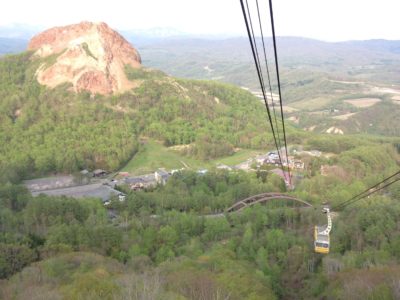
<point x="55" y="130"/>
<point x="167" y="236"/>
<point x="174" y="241"/>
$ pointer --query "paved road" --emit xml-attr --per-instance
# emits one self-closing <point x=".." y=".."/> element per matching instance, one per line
<point x="98" y="190"/>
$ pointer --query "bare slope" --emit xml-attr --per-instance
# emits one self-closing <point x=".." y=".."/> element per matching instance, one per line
<point x="91" y="56"/>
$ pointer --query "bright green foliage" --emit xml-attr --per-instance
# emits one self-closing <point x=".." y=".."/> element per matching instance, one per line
<point x="264" y="252"/>
<point x="55" y="130"/>
<point x="45" y="130"/>
<point x="215" y="229"/>
<point x="94" y="285"/>
<point x="212" y="192"/>
<point x="172" y="241"/>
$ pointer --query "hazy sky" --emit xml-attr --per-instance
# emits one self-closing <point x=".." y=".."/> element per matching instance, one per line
<point x="330" y="20"/>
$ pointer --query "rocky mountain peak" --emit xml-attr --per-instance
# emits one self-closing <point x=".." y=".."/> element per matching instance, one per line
<point x="91" y="56"/>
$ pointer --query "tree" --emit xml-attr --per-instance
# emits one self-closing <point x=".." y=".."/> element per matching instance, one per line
<point x="93" y="285"/>
<point x="215" y="229"/>
<point x="168" y="236"/>
<point x="13" y="258"/>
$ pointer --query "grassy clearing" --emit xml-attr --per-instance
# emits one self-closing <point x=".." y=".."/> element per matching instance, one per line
<point x="343" y="117"/>
<point x="289" y="109"/>
<point x="363" y="102"/>
<point x="238" y="157"/>
<point x="312" y="104"/>
<point x="154" y="155"/>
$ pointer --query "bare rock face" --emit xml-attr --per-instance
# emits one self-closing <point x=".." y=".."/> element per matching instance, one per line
<point x="91" y="56"/>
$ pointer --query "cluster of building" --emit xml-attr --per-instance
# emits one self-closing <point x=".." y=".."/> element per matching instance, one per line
<point x="95" y="173"/>
<point x="271" y="158"/>
<point x="141" y="182"/>
<point x="159" y="177"/>
<point x="101" y="187"/>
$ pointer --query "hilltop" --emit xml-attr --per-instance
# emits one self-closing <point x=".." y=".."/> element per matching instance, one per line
<point x="67" y="126"/>
<point x="318" y="78"/>
<point x="172" y="241"/>
<point x="91" y="56"/>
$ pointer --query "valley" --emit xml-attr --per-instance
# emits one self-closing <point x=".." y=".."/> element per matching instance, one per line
<point x="315" y="75"/>
<point x="114" y="155"/>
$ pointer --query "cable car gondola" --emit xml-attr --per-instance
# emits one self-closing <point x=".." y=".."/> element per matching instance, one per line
<point x="321" y="235"/>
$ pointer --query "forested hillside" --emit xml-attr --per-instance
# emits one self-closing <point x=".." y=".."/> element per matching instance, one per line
<point x="177" y="241"/>
<point x="54" y="130"/>
<point x="230" y="60"/>
<point x="166" y="243"/>
<point x="318" y="78"/>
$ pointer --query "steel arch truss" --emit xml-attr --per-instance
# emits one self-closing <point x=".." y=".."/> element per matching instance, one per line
<point x="263" y="198"/>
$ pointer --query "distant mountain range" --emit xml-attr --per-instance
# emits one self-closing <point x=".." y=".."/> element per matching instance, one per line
<point x="230" y="60"/>
<point x="319" y="79"/>
<point x="12" y="45"/>
<point x="316" y="76"/>
<point x="19" y="31"/>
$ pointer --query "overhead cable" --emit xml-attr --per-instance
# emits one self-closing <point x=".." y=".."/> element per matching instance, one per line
<point x="279" y="82"/>
<point x="253" y="44"/>
<point x="371" y="190"/>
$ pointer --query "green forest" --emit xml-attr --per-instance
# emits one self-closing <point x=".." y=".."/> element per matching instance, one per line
<point x="176" y="241"/>
<point x="54" y="130"/>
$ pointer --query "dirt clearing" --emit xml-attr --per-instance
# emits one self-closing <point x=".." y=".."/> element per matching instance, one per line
<point x="363" y="102"/>
<point x="396" y="99"/>
<point x="343" y="117"/>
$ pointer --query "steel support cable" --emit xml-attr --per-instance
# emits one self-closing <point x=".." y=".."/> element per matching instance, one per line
<point x="278" y="144"/>
<point x="253" y="45"/>
<point x="268" y="76"/>
<point x="372" y="192"/>
<point x="262" y="83"/>
<point x="349" y="201"/>
<point x="279" y="83"/>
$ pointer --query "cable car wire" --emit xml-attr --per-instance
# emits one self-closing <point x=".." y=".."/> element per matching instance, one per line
<point x="256" y="57"/>
<point x="372" y="192"/>
<point x="250" y="31"/>
<point x="268" y="74"/>
<point x="278" y="81"/>
<point x="253" y="44"/>
<point x="321" y="236"/>
<point x="361" y="195"/>
<point x="262" y="83"/>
